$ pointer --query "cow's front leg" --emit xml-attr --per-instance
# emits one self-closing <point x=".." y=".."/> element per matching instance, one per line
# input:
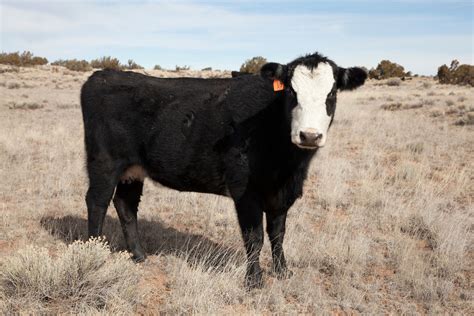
<point x="250" y="214"/>
<point x="276" y="222"/>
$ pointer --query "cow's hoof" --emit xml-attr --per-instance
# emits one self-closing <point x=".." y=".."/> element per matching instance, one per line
<point x="282" y="274"/>
<point x="254" y="281"/>
<point x="138" y="256"/>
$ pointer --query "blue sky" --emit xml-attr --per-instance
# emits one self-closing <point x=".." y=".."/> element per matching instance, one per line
<point x="418" y="34"/>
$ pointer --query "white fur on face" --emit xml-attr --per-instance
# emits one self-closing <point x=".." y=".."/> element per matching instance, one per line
<point x="312" y="89"/>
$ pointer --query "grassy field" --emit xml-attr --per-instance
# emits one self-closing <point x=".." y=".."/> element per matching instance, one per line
<point x="385" y="224"/>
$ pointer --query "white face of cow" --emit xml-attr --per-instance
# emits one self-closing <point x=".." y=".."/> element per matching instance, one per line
<point x="310" y="121"/>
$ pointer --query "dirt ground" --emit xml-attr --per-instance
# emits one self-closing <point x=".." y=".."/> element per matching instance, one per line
<point x="385" y="224"/>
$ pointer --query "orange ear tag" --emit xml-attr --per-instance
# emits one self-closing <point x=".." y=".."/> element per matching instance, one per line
<point x="278" y="85"/>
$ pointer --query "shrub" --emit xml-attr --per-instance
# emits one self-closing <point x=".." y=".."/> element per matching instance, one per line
<point x="456" y="74"/>
<point x="24" y="59"/>
<point x="427" y="85"/>
<point x="83" y="278"/>
<point x="444" y="75"/>
<point x="394" y="82"/>
<point x="25" y="106"/>
<point x="207" y="69"/>
<point x="106" y="62"/>
<point x="253" y="65"/>
<point x="158" y="67"/>
<point x="392" y="106"/>
<point x="467" y="119"/>
<point x="133" y="65"/>
<point x="386" y="69"/>
<point x="464" y="74"/>
<point x="449" y="102"/>
<point x="73" y="64"/>
<point x="10" y="69"/>
<point x="13" y="85"/>
<point x="182" y="68"/>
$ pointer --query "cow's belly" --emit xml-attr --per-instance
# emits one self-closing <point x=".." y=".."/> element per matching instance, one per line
<point x="202" y="174"/>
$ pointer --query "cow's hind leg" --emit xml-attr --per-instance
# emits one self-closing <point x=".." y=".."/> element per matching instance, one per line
<point x="126" y="200"/>
<point x="103" y="178"/>
<point x="250" y="215"/>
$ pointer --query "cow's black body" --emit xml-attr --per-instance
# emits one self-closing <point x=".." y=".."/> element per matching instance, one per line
<point x="222" y="136"/>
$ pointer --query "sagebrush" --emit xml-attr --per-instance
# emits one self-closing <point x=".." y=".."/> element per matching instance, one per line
<point x="83" y="277"/>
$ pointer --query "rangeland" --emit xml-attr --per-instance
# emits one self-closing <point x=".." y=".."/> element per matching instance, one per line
<point x="385" y="224"/>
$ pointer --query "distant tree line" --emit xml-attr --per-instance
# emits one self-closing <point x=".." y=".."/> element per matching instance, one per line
<point x="454" y="74"/>
<point x="27" y="59"/>
<point x="24" y="59"/>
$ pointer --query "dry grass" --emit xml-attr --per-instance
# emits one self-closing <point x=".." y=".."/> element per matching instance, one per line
<point x="385" y="224"/>
<point x="25" y="106"/>
<point x="13" y="85"/>
<point x="394" y="82"/>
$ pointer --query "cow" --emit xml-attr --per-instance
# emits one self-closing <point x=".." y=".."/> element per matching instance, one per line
<point x="250" y="138"/>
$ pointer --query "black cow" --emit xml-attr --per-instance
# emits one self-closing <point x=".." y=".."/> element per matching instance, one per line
<point x="251" y="138"/>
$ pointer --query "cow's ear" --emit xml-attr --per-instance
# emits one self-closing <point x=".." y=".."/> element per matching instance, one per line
<point x="350" y="78"/>
<point x="274" y="71"/>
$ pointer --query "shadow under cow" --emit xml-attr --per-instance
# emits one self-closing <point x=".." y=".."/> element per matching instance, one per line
<point x="156" y="238"/>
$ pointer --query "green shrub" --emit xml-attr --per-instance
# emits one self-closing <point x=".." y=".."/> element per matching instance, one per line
<point x="253" y="65"/>
<point x="456" y="74"/>
<point x="106" y="62"/>
<point x="207" y="69"/>
<point x="387" y="69"/>
<point x="158" y="67"/>
<point x="24" y="59"/>
<point x="73" y="64"/>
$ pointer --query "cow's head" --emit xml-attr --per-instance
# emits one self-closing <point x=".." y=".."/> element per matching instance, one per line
<point x="311" y="85"/>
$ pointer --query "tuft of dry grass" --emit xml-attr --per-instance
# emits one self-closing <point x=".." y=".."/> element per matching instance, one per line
<point x="392" y="106"/>
<point x="449" y="102"/>
<point x="467" y="119"/>
<point x="427" y="85"/>
<point x="462" y="98"/>
<point x="83" y="277"/>
<point x="13" y="85"/>
<point x="25" y="106"/>
<point x="393" y="82"/>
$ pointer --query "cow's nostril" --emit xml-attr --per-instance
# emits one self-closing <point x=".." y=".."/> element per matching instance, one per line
<point x="303" y="137"/>
<point x="310" y="138"/>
